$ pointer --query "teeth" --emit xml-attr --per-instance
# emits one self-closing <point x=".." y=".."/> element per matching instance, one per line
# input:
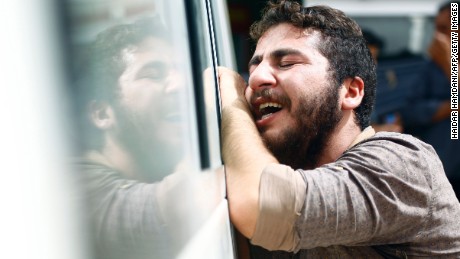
<point x="265" y="105"/>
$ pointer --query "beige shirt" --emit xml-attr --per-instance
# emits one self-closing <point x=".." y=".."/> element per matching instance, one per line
<point x="387" y="194"/>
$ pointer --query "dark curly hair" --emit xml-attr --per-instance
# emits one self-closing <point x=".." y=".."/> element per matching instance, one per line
<point x="342" y="43"/>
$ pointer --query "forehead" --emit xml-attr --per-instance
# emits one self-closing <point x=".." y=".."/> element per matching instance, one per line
<point x="285" y="35"/>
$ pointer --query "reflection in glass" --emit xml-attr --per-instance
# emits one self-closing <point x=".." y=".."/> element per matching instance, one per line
<point x="136" y="143"/>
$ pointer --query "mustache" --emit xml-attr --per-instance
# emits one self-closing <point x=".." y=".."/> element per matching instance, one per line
<point x="269" y="94"/>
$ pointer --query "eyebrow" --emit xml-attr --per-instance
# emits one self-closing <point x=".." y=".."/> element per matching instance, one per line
<point x="277" y="54"/>
<point x="153" y="65"/>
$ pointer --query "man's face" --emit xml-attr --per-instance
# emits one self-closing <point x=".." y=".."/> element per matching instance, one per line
<point x="293" y="99"/>
<point x="148" y="110"/>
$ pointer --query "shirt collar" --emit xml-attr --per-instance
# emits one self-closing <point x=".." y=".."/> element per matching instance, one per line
<point x="97" y="157"/>
<point x="365" y="134"/>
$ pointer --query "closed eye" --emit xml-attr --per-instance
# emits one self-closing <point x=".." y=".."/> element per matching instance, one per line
<point x="155" y="71"/>
<point x="288" y="61"/>
<point x="285" y="65"/>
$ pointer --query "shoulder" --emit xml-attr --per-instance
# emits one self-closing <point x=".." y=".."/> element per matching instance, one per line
<point x="429" y="65"/>
<point x="393" y="142"/>
<point x="92" y="172"/>
<point x="396" y="154"/>
<point x="433" y="70"/>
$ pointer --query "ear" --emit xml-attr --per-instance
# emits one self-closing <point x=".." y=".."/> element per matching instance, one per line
<point x="102" y="115"/>
<point x="352" y="93"/>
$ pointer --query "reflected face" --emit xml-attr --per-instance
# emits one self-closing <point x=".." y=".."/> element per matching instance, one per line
<point x="293" y="99"/>
<point x="148" y="114"/>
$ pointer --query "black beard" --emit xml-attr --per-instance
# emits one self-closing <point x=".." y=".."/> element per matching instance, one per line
<point x="302" y="144"/>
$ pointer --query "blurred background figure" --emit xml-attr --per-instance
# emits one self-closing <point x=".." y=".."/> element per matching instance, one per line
<point x="427" y="113"/>
<point x="375" y="45"/>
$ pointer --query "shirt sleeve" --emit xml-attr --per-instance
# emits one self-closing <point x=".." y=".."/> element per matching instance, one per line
<point x="281" y="194"/>
<point x="378" y="192"/>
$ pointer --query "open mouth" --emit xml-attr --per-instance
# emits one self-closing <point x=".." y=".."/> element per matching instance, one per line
<point x="268" y="109"/>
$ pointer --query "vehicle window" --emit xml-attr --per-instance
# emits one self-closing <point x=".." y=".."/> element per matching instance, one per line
<point x="147" y="123"/>
<point x="205" y="61"/>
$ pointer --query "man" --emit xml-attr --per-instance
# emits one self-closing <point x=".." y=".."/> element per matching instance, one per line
<point x="305" y="173"/>
<point x="427" y="114"/>
<point x="130" y="95"/>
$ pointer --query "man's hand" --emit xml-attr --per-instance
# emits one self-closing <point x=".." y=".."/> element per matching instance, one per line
<point x="232" y="87"/>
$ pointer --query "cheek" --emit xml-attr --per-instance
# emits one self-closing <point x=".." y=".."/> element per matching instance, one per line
<point x="142" y="97"/>
<point x="309" y="82"/>
<point x="149" y="105"/>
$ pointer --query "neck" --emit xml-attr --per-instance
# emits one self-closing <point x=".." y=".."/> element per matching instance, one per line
<point x="341" y="138"/>
<point x="120" y="159"/>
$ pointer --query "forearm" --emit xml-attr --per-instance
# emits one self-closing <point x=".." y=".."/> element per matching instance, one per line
<point x="244" y="153"/>
<point x="245" y="156"/>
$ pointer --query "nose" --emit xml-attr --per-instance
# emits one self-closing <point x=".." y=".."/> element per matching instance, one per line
<point x="262" y="77"/>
